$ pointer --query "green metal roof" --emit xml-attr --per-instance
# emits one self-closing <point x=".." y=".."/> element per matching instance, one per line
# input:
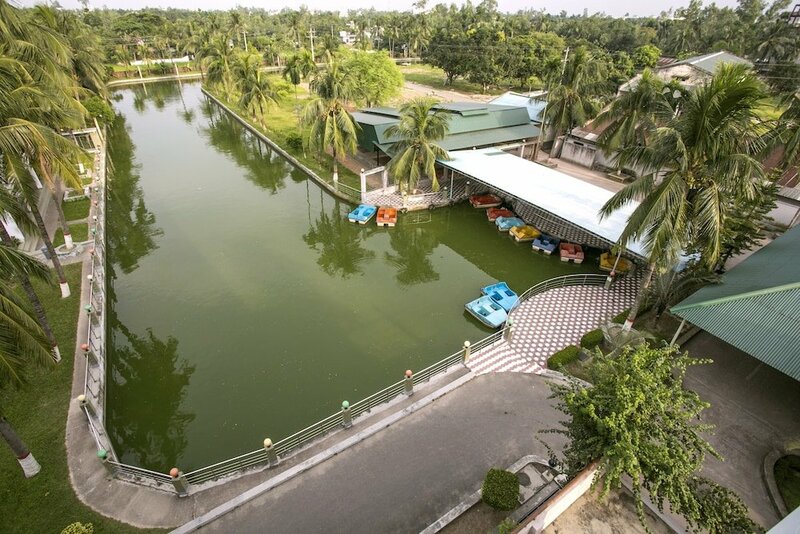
<point x="481" y="138"/>
<point x="757" y="306"/>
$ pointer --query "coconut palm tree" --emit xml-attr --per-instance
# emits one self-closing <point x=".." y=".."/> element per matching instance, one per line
<point x="292" y="72"/>
<point x="416" y="151"/>
<point x="219" y="58"/>
<point x="573" y="100"/>
<point x="330" y="125"/>
<point x="703" y="158"/>
<point x="258" y="92"/>
<point x="22" y="342"/>
<point x="786" y="134"/>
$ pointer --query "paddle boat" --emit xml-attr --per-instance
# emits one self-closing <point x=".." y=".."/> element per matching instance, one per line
<point x="386" y="216"/>
<point x="607" y="260"/>
<point x="485" y="201"/>
<point x="504" y="224"/>
<point x="493" y="213"/>
<point x="501" y="294"/>
<point x="362" y="214"/>
<point x="571" y="252"/>
<point x="524" y="233"/>
<point x="545" y="243"/>
<point x="487" y="311"/>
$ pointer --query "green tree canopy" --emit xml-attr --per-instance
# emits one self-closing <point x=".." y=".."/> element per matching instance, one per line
<point x="375" y="77"/>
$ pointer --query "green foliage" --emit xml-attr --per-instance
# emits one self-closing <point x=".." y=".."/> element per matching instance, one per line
<point x="638" y="420"/>
<point x="561" y="358"/>
<point x="592" y="338"/>
<point x="621" y="317"/>
<point x="76" y="209"/>
<point x="295" y="142"/>
<point x="720" y="510"/>
<point x="375" y="77"/>
<point x="78" y="528"/>
<point x="507" y="526"/>
<point x="79" y="232"/>
<point x="746" y="218"/>
<point x="787" y="477"/>
<point x="500" y="489"/>
<point x="99" y="109"/>
<point x="646" y="56"/>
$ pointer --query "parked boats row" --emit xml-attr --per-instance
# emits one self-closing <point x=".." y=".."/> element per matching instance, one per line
<point x="386" y="216"/>
<point x="492" y="307"/>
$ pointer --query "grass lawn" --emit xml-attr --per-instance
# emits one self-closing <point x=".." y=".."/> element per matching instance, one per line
<point x="282" y="121"/>
<point x="79" y="231"/>
<point x="787" y="476"/>
<point x="76" y="209"/>
<point x="435" y="77"/>
<point x="38" y="411"/>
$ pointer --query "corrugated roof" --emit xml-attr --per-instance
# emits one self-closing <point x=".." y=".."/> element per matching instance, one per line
<point x="535" y="107"/>
<point x="709" y="62"/>
<point x="482" y="138"/>
<point x="757" y="306"/>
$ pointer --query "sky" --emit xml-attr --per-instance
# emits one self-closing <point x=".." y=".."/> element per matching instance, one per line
<point x="615" y="8"/>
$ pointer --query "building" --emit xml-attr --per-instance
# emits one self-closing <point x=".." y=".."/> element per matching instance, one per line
<point x="471" y="125"/>
<point x="690" y="72"/>
<point x="756" y="308"/>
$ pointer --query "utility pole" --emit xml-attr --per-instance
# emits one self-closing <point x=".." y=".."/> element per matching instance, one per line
<point x="311" y="36"/>
<point x="244" y="32"/>
<point x="564" y="63"/>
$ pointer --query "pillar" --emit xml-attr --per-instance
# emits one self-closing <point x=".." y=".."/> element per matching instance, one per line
<point x="272" y="455"/>
<point x="466" y="351"/>
<point x="508" y="330"/>
<point x="102" y="455"/>
<point x="347" y="417"/>
<point x="385" y="178"/>
<point x="363" y="183"/>
<point x="179" y="482"/>
<point x="408" y="383"/>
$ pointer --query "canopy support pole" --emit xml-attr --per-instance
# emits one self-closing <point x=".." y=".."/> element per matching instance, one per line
<point x="678" y="332"/>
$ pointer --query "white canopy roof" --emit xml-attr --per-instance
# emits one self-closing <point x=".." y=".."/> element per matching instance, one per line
<point x="571" y="199"/>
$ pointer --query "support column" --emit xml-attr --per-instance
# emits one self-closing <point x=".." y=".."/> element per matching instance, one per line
<point x="179" y="482"/>
<point x="272" y="456"/>
<point x="363" y="185"/>
<point x="385" y="178"/>
<point x="678" y="332"/>
<point x="466" y="352"/>
<point x="408" y="383"/>
<point x="347" y="417"/>
<point x="522" y="149"/>
<point x="452" y="173"/>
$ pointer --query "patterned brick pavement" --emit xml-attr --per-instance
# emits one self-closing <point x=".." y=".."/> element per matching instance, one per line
<point x="550" y="321"/>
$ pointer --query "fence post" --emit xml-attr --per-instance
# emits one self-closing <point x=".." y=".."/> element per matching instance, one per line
<point x="272" y="456"/>
<point x="507" y="331"/>
<point x="347" y="417"/>
<point x="84" y="403"/>
<point x="609" y="280"/>
<point x="466" y="352"/>
<point x="363" y="176"/>
<point x="179" y="482"/>
<point x="103" y="456"/>
<point x="408" y="383"/>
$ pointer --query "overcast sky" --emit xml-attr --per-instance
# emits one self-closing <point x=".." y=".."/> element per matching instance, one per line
<point x="612" y="7"/>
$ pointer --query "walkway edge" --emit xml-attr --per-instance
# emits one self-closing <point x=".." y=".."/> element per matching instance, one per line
<point x="289" y="474"/>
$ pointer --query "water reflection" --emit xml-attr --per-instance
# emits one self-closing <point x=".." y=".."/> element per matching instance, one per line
<point x="135" y="230"/>
<point x="265" y="168"/>
<point x="338" y="242"/>
<point x="149" y="378"/>
<point x="413" y="245"/>
<point x="160" y="94"/>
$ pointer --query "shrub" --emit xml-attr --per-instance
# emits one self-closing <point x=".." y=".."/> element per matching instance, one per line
<point x="620" y="319"/>
<point x="294" y="142"/>
<point x="500" y="489"/>
<point x="563" y="357"/>
<point x="78" y="528"/>
<point x="592" y="339"/>
<point x="507" y="526"/>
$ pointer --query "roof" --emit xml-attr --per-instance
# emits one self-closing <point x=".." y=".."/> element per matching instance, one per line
<point x="756" y="308"/>
<point x="709" y="62"/>
<point x="560" y="194"/>
<point x="495" y="136"/>
<point x="534" y="107"/>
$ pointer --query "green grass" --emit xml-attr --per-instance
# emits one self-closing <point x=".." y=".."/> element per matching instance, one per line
<point x="38" y="411"/>
<point x="122" y="72"/>
<point x="787" y="476"/>
<point x="79" y="231"/>
<point x="435" y="77"/>
<point x="76" y="209"/>
<point x="282" y="121"/>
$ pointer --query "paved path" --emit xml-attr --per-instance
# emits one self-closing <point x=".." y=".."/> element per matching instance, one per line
<point x="550" y="321"/>
<point x="405" y="477"/>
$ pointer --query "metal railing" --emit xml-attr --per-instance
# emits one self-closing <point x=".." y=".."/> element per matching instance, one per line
<point x="557" y="282"/>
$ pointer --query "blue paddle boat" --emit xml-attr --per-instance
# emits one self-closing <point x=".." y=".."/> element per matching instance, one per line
<point x="501" y="294"/>
<point x="487" y="311"/>
<point x="362" y="214"/>
<point x="546" y="243"/>
<point x="504" y="224"/>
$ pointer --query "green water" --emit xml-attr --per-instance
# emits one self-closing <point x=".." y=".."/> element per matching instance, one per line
<point x="243" y="305"/>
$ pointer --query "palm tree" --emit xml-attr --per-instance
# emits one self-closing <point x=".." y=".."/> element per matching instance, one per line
<point x="220" y="58"/>
<point x="703" y="158"/>
<point x="572" y="102"/>
<point x="258" y="93"/>
<point x="416" y="151"/>
<point x="22" y="342"/>
<point x="292" y="72"/>
<point x="786" y="134"/>
<point x="330" y="124"/>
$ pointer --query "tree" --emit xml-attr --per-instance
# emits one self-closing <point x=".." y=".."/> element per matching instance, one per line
<point x="375" y="76"/>
<point x="573" y="100"/>
<point x="703" y="158"/>
<point x="416" y="150"/>
<point x="637" y="420"/>
<point x="330" y="125"/>
<point x="219" y="59"/>
<point x="646" y="56"/>
<point x="257" y="90"/>
<point x="786" y="134"/>
<point x="22" y="342"/>
<point x="671" y="287"/>
<point x="298" y="67"/>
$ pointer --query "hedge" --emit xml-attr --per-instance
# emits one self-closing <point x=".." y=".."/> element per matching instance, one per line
<point x="563" y="357"/>
<point x="592" y="339"/>
<point x="500" y="489"/>
<point x="620" y="319"/>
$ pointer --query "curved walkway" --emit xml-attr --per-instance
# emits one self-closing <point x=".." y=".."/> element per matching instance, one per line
<point x="550" y="321"/>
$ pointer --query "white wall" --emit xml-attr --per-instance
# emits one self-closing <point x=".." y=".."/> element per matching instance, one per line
<point x="784" y="213"/>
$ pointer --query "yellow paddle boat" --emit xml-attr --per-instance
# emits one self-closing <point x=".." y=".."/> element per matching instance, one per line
<point x="524" y="233"/>
<point x="607" y="263"/>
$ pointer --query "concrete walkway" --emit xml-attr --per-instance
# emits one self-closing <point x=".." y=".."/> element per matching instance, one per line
<point x="404" y="478"/>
